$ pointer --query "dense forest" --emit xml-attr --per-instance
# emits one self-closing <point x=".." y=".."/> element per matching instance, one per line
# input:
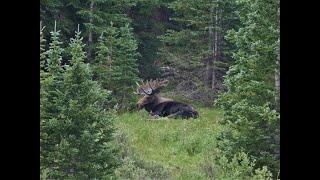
<point x="220" y="59"/>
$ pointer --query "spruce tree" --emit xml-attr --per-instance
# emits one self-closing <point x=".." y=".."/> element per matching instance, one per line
<point x="105" y="57"/>
<point x="249" y="106"/>
<point x="51" y="85"/>
<point x="150" y="20"/>
<point x="55" y="53"/>
<point x="116" y="63"/>
<point x="50" y="100"/>
<point x="42" y="58"/>
<point x="78" y="136"/>
<point x="94" y="15"/>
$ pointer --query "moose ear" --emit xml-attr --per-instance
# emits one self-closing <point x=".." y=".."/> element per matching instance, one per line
<point x="139" y="92"/>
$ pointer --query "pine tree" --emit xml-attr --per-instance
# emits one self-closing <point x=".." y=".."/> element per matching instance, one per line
<point x="55" y="53"/>
<point x="149" y="20"/>
<point x="50" y="101"/>
<point x="196" y="46"/>
<point x="42" y="58"/>
<point x="78" y="137"/>
<point x="95" y="15"/>
<point x="116" y="63"/>
<point x="249" y="105"/>
<point x="51" y="81"/>
<point x="105" y="57"/>
<point x="61" y="12"/>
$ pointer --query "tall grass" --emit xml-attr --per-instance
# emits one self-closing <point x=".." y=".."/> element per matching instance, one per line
<point x="181" y="146"/>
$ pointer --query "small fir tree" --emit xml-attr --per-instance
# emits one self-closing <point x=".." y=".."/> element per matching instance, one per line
<point x="50" y="101"/>
<point x="78" y="136"/>
<point x="116" y="63"/>
<point x="55" y="53"/>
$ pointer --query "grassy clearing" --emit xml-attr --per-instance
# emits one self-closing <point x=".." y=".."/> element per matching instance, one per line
<point x="182" y="146"/>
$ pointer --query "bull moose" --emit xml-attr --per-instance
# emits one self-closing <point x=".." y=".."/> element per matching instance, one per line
<point x="160" y="106"/>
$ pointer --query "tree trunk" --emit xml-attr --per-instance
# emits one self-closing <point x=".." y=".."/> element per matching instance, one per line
<point x="90" y="33"/>
<point x="215" y="49"/>
<point x="210" y="71"/>
<point x="209" y="60"/>
<point x="215" y="42"/>
<point x="277" y="72"/>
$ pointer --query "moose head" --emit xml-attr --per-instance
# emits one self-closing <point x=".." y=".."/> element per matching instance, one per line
<point x="150" y="91"/>
<point x="160" y="106"/>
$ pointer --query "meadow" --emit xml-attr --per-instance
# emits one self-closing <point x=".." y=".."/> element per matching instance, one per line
<point x="181" y="146"/>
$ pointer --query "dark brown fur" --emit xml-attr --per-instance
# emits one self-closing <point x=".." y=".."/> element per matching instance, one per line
<point x="163" y="107"/>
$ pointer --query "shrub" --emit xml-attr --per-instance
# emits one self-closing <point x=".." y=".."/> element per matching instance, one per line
<point x="240" y="167"/>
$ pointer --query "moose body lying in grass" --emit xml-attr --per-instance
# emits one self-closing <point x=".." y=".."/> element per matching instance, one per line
<point x="159" y="106"/>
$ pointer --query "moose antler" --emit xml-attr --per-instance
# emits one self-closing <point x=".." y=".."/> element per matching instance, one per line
<point x="151" y="87"/>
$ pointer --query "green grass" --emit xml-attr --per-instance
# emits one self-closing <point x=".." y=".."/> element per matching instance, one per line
<point x="182" y="146"/>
